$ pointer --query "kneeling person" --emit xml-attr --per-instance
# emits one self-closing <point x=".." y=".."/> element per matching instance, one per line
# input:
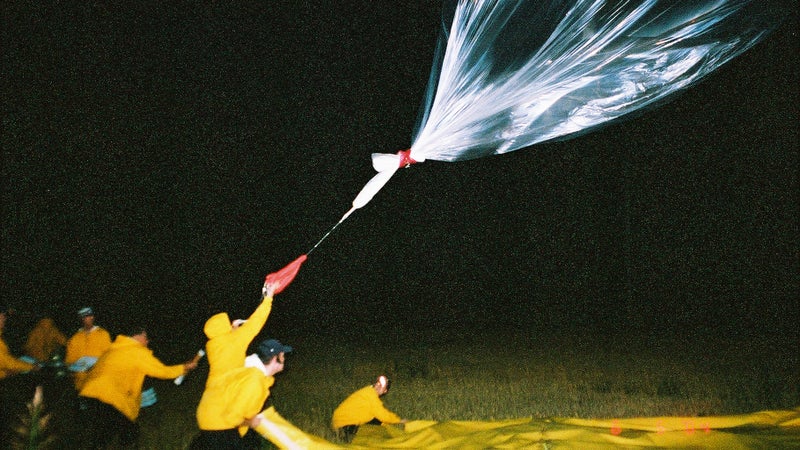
<point x="363" y="406"/>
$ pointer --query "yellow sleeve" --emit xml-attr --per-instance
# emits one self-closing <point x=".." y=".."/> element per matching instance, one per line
<point x="381" y="413"/>
<point x="250" y="329"/>
<point x="152" y="367"/>
<point x="9" y="364"/>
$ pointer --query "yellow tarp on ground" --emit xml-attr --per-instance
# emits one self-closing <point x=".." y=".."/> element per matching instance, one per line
<point x="766" y="429"/>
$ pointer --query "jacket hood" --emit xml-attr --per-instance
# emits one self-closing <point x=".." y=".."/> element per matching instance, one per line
<point x="217" y="325"/>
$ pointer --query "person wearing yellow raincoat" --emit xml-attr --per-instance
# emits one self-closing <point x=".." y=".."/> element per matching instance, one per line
<point x="227" y="343"/>
<point x="9" y="365"/>
<point x="362" y="407"/>
<point x="227" y="409"/>
<point x="85" y="346"/>
<point x="113" y="389"/>
<point x="44" y="340"/>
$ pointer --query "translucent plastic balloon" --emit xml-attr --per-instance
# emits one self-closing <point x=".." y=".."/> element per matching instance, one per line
<point x="510" y="74"/>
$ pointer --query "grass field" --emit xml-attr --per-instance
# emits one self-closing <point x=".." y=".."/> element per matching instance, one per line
<point x="503" y="377"/>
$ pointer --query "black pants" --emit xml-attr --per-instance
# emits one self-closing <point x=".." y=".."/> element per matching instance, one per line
<point x="348" y="432"/>
<point x="225" y="440"/>
<point x="104" y="423"/>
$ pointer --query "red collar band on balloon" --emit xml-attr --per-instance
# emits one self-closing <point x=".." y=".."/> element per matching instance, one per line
<point x="405" y="158"/>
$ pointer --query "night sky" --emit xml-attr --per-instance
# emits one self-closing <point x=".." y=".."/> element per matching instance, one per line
<point x="160" y="158"/>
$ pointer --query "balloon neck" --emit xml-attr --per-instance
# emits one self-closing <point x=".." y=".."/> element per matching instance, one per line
<point x="405" y="158"/>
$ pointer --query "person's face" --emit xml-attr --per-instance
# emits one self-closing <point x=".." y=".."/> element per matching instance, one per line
<point x="87" y="321"/>
<point x="142" y="338"/>
<point x="276" y="364"/>
<point x="382" y="386"/>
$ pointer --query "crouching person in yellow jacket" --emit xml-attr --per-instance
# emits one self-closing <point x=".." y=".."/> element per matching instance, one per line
<point x="231" y="406"/>
<point x="363" y="406"/>
<point x="113" y="389"/>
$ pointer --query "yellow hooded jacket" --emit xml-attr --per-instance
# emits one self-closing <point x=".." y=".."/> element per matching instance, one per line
<point x="240" y="396"/>
<point x="117" y="377"/>
<point x="226" y="351"/>
<point x="94" y="343"/>
<point x="226" y="348"/>
<point x="9" y="365"/>
<point x="44" y="339"/>
<point x="361" y="407"/>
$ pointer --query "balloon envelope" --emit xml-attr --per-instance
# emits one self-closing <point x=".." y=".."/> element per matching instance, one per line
<point x="510" y="74"/>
